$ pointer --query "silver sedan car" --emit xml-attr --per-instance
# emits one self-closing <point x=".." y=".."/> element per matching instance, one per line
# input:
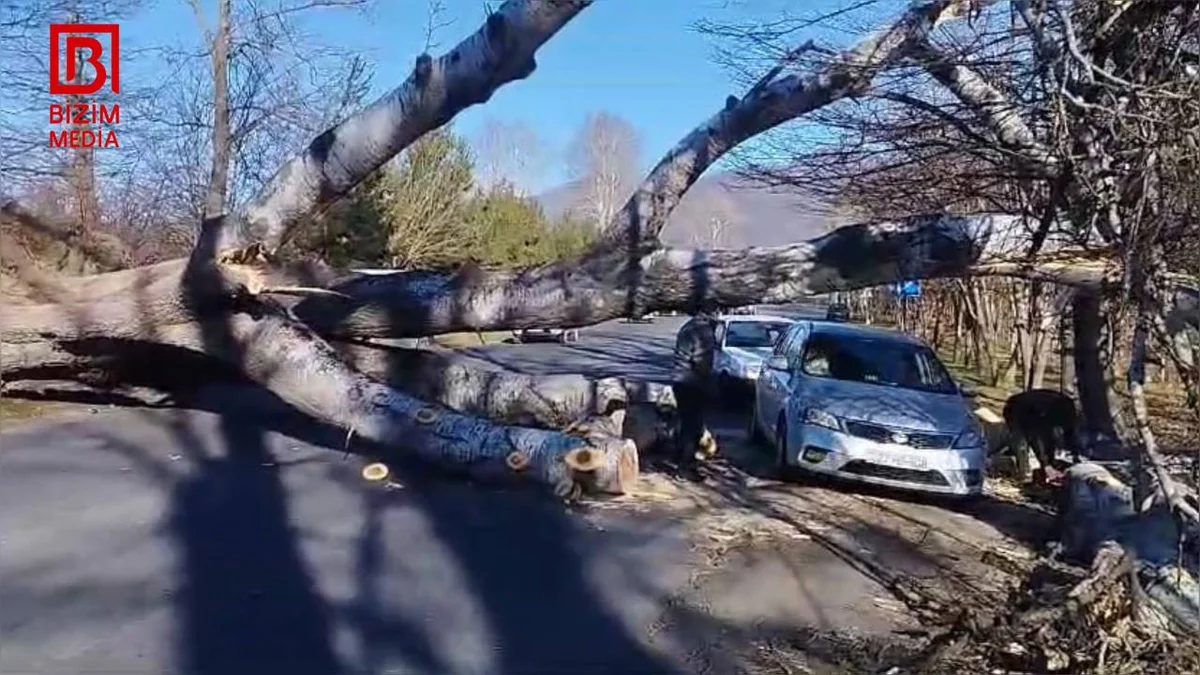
<point x="869" y="405"/>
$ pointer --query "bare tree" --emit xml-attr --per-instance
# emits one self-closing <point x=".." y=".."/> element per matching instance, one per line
<point x="263" y="87"/>
<point x="510" y="153"/>
<point x="603" y="161"/>
<point x="1071" y="114"/>
<point x="27" y="160"/>
<point x="705" y="219"/>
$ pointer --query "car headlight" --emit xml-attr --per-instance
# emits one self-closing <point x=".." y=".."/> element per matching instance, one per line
<point x="820" y="418"/>
<point x="972" y="437"/>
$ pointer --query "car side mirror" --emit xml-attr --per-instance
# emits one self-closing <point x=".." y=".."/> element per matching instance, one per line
<point x="967" y="390"/>
<point x="777" y="362"/>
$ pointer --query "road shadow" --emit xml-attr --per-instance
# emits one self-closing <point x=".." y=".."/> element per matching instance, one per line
<point x="248" y="601"/>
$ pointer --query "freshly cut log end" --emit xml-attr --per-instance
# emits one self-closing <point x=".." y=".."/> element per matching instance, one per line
<point x="517" y="461"/>
<point x="582" y="459"/>
<point x="614" y="468"/>
<point x="375" y="472"/>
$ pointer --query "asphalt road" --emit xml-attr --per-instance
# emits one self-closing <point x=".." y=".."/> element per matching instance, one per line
<point x="239" y="539"/>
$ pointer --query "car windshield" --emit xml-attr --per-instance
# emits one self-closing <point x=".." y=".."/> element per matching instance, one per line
<point x="876" y="360"/>
<point x="751" y="334"/>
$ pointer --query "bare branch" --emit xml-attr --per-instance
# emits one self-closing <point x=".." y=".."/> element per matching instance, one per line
<point x="766" y="105"/>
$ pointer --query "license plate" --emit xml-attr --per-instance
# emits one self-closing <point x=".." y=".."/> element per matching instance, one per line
<point x="899" y="460"/>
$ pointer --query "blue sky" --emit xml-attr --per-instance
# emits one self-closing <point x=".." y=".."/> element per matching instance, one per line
<point x="639" y="59"/>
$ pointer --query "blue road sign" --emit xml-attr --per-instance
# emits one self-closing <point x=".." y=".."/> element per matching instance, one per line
<point x="908" y="289"/>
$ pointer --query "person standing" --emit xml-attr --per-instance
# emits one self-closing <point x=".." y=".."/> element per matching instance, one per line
<point x="695" y="345"/>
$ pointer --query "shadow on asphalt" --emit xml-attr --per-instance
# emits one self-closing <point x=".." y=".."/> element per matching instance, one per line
<point x="250" y="604"/>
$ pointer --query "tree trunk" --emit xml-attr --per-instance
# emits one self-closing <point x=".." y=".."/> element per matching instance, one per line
<point x="1066" y="350"/>
<point x="83" y="163"/>
<point x="222" y="136"/>
<point x="222" y="302"/>
<point x="473" y="387"/>
<point x="1091" y="370"/>
<point x="938" y="310"/>
<point x="1044" y="335"/>
<point x="959" y="310"/>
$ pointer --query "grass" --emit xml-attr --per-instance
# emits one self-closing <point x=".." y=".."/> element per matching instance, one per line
<point x="467" y="340"/>
<point x="1170" y="419"/>
<point x="13" y="410"/>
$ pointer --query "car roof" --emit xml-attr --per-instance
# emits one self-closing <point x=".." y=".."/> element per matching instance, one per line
<point x="859" y="330"/>
<point x="755" y="317"/>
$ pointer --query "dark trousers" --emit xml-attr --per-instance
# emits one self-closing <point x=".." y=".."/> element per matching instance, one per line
<point x="691" y="399"/>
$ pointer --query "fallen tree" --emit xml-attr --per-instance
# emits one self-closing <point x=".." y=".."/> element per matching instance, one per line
<point x="227" y="301"/>
<point x="299" y="332"/>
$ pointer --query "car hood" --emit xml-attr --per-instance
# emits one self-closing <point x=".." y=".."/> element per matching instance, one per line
<point x="749" y="354"/>
<point x="890" y="406"/>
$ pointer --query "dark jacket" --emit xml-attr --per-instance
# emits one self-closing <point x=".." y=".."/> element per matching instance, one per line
<point x="695" y="345"/>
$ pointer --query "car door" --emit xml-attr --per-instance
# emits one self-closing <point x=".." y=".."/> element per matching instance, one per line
<point x="772" y="389"/>
<point x="719" y="357"/>
<point x="796" y="397"/>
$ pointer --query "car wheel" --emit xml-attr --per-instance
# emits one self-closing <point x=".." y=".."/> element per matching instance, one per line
<point x="783" y="471"/>
<point x="757" y="439"/>
<point x="724" y="386"/>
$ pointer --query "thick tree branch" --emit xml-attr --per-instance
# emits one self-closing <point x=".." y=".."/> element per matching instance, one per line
<point x="469" y="386"/>
<point x="769" y="103"/>
<point x="571" y="293"/>
<point x="286" y="358"/>
<point x="992" y="108"/>
<point x="438" y="89"/>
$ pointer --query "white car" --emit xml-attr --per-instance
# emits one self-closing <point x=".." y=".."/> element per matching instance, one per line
<point x="744" y="341"/>
<point x="867" y="405"/>
<point x="566" y="335"/>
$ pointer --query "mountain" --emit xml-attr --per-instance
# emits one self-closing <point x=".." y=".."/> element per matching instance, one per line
<point x="726" y="211"/>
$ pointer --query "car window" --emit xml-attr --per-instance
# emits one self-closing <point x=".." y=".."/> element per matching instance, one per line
<point x="876" y="360"/>
<point x="791" y="344"/>
<point x="755" y="334"/>
<point x="787" y="339"/>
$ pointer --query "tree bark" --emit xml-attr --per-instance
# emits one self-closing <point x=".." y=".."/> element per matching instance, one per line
<point x="598" y="288"/>
<point x="469" y="386"/>
<point x="222" y="136"/>
<point x="1090" y="369"/>
<point x="1066" y="350"/>
<point x="222" y="302"/>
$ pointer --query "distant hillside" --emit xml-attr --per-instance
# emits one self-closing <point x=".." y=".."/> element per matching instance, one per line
<point x="723" y="210"/>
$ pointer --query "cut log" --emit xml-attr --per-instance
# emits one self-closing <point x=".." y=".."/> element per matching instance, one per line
<point x="209" y="309"/>
<point x="469" y="386"/>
